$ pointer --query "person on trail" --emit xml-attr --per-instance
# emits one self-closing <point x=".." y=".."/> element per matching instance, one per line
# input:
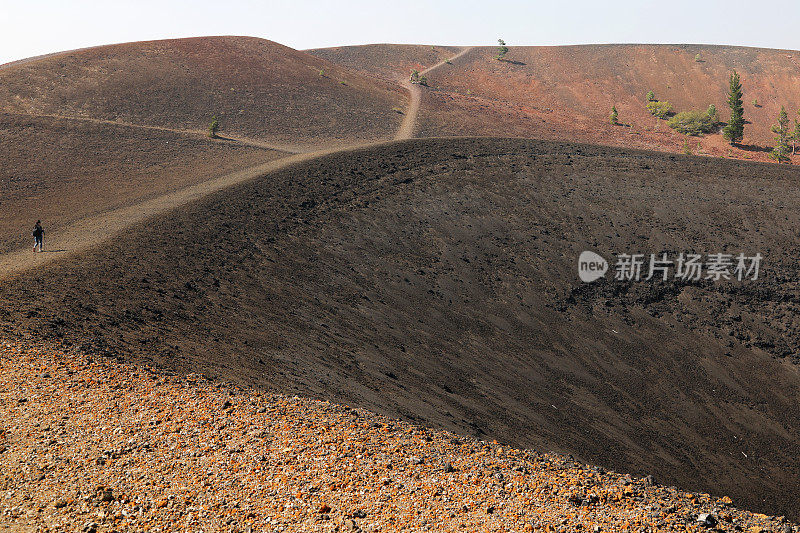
<point x="38" y="236"/>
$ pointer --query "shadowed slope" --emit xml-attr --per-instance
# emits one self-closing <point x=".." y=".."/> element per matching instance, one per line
<point x="62" y="171"/>
<point x="435" y="280"/>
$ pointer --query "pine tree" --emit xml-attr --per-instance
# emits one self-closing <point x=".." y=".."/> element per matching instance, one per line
<point x="795" y="134"/>
<point x="781" y="150"/>
<point x="734" y="131"/>
<point x="502" y="50"/>
<point x="614" y="115"/>
<point x="213" y="128"/>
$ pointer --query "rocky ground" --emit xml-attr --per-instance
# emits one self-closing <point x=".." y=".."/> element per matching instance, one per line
<point x="99" y="445"/>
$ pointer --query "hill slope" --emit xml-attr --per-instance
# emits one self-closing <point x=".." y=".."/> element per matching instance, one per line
<point x="257" y="88"/>
<point x="61" y="170"/>
<point x="387" y="61"/>
<point x="270" y="462"/>
<point x="566" y="92"/>
<point x="435" y="281"/>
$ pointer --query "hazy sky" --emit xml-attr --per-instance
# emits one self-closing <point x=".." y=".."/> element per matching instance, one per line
<point x="37" y="27"/>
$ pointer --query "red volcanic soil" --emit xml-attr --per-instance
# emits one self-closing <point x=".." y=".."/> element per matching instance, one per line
<point x="566" y="92"/>
<point x="388" y="61"/>
<point x="256" y="87"/>
<point x="62" y="171"/>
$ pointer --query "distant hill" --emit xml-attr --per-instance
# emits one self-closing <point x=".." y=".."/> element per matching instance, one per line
<point x="256" y="87"/>
<point x="566" y="92"/>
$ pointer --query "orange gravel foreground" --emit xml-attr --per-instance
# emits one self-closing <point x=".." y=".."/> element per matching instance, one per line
<point x="97" y="445"/>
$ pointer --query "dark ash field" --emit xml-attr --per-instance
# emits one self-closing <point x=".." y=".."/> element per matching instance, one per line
<point x="436" y="280"/>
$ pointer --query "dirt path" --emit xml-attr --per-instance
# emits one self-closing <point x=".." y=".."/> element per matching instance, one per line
<point x="406" y="130"/>
<point x="92" y="231"/>
<point x="291" y="149"/>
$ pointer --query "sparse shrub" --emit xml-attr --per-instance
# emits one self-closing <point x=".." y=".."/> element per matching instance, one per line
<point x="781" y="150"/>
<point x="697" y="58"/>
<point x="614" y="115"/>
<point x="659" y="109"/>
<point x="423" y="81"/>
<point x="322" y="73"/>
<point x="755" y="102"/>
<point x="650" y="97"/>
<point x="692" y="122"/>
<point x="734" y="131"/>
<point x="414" y="76"/>
<point x="686" y="148"/>
<point x="502" y="50"/>
<point x="213" y="128"/>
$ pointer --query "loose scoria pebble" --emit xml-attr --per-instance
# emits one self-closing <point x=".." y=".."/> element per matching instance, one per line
<point x="101" y="446"/>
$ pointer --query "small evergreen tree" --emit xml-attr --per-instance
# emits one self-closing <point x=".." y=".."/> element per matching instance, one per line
<point x="213" y="128"/>
<point x="614" y="115"/>
<point x="734" y="131"/>
<point x="415" y="76"/>
<point x="781" y="150"/>
<point x="712" y="112"/>
<point x="502" y="50"/>
<point x="651" y="96"/>
<point x="697" y="58"/>
<point x="796" y="133"/>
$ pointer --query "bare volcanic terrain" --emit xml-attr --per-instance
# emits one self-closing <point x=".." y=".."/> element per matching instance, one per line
<point x="257" y="88"/>
<point x="62" y="170"/>
<point x="387" y="61"/>
<point x="436" y="281"/>
<point x="95" y="445"/>
<point x="566" y="92"/>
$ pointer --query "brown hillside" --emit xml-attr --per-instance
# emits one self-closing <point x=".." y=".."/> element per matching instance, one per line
<point x="256" y="87"/>
<point x="566" y="92"/>
<point x="436" y="281"/>
<point x="388" y="61"/>
<point x="62" y="171"/>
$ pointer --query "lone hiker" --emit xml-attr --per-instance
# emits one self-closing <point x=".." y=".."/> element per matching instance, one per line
<point x="38" y="236"/>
